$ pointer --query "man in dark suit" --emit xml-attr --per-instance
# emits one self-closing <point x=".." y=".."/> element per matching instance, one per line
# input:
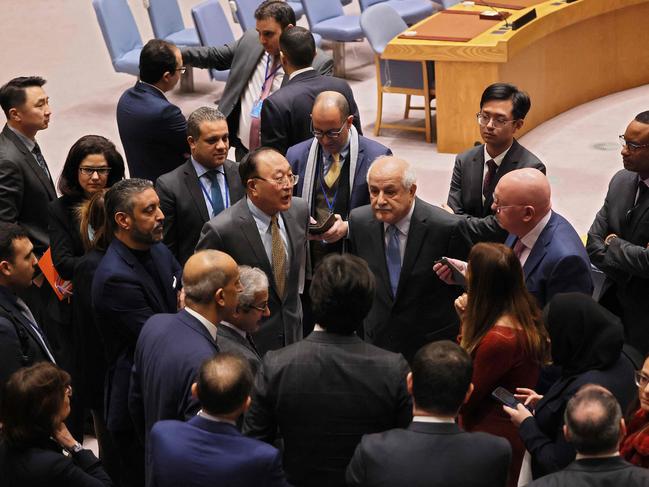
<point x="477" y="171"/>
<point x="285" y="115"/>
<point x="153" y="131"/>
<point x="171" y="347"/>
<point x="202" y="187"/>
<point x="328" y="390"/>
<point x="595" y="427"/>
<point x="236" y="331"/>
<point x="208" y="449"/>
<point x="137" y="278"/>
<point x="22" y="341"/>
<point x="618" y="238"/>
<point x="433" y="451"/>
<point x="255" y="71"/>
<point x="267" y="230"/>
<point x="26" y="186"/>
<point x="400" y="237"/>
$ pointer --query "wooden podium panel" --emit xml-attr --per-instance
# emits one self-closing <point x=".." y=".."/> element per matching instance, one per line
<point x="571" y="54"/>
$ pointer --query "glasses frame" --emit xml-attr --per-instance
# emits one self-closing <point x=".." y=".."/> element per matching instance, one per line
<point x="259" y="308"/>
<point x="332" y="134"/>
<point x="182" y="69"/>
<point x="280" y="183"/>
<point x="631" y="145"/>
<point x="639" y="378"/>
<point x="89" y="171"/>
<point x="496" y="122"/>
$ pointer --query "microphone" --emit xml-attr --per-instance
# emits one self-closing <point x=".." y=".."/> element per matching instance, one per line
<point x="498" y="14"/>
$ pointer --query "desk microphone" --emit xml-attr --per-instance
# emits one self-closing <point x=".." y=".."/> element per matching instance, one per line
<point x="501" y="15"/>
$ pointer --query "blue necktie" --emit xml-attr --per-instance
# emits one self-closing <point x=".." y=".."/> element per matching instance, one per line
<point x="38" y="155"/>
<point x="393" y="258"/>
<point x="217" y="199"/>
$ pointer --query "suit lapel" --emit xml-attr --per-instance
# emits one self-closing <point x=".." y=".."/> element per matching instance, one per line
<point x="475" y="176"/>
<point x="12" y="308"/>
<point x="539" y="250"/>
<point x="638" y="212"/>
<point x="197" y="327"/>
<point x="416" y="234"/>
<point x="231" y="175"/>
<point x="193" y="186"/>
<point x="251" y="233"/>
<point x="378" y="238"/>
<point x="30" y="161"/>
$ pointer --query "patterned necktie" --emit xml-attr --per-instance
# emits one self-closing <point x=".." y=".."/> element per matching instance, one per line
<point x="38" y="155"/>
<point x="255" y="122"/>
<point x="393" y="258"/>
<point x="519" y="248"/>
<point x="487" y="188"/>
<point x="217" y="198"/>
<point x="334" y="171"/>
<point x="279" y="256"/>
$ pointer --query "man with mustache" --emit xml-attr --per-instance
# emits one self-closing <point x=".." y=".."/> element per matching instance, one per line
<point x="137" y="278"/>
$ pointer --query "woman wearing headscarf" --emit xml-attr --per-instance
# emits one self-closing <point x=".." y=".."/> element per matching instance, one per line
<point x="587" y="344"/>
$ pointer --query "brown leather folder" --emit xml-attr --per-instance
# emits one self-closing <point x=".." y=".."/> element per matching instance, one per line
<point x="451" y="25"/>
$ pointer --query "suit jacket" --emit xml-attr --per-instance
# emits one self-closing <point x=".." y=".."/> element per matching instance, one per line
<point x="235" y="232"/>
<point x="626" y="260"/>
<point x="596" y="472"/>
<point x="153" y="132"/>
<point x="25" y="190"/>
<point x="430" y="455"/>
<point x="168" y="356"/>
<point x="558" y="262"/>
<point x="65" y="236"/>
<point x="324" y="393"/>
<point x="422" y="310"/>
<point x="183" y="204"/>
<point x="231" y="341"/>
<point x="368" y="150"/>
<point x="285" y="115"/>
<point x="241" y="58"/>
<point x="465" y="195"/>
<point x="124" y="296"/>
<point x="211" y="453"/>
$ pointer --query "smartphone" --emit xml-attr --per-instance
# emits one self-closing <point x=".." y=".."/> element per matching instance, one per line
<point x="458" y="276"/>
<point x="320" y="228"/>
<point x="504" y="396"/>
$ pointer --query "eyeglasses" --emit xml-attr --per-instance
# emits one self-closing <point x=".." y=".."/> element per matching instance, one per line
<point x="641" y="380"/>
<point x="259" y="307"/>
<point x="89" y="171"/>
<point x="483" y="120"/>
<point x="332" y="134"/>
<point x="290" y="179"/>
<point x="182" y="69"/>
<point x="631" y="145"/>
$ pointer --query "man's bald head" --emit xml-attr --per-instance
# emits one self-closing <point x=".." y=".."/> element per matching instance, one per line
<point x="331" y="121"/>
<point x="205" y="273"/>
<point x="331" y="100"/>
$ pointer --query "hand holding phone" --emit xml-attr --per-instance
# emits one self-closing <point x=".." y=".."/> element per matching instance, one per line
<point x="504" y="396"/>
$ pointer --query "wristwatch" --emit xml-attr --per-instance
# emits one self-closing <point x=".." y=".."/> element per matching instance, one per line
<point x="76" y="448"/>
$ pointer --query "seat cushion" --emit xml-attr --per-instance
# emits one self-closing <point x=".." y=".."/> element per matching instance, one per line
<point x="129" y="62"/>
<point x="185" y="37"/>
<point x="345" y="28"/>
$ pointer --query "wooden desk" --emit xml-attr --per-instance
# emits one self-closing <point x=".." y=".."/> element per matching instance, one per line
<point x="571" y="54"/>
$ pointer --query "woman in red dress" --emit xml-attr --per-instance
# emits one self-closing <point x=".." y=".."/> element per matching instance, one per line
<point x="635" y="447"/>
<point x="502" y="329"/>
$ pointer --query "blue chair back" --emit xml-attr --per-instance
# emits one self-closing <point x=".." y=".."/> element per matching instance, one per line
<point x="166" y="18"/>
<point x="318" y="10"/>
<point x="381" y="24"/>
<point x="450" y="3"/>
<point x="213" y="30"/>
<point x="246" y="13"/>
<point x="368" y="3"/>
<point x="119" y="31"/>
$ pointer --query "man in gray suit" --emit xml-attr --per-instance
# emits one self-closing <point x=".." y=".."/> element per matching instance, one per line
<point x="255" y="71"/>
<point x="267" y="230"/>
<point x="211" y="180"/>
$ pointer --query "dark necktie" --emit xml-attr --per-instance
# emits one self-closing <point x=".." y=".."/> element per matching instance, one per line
<point x="251" y="343"/>
<point x="487" y="187"/>
<point x="215" y="193"/>
<point x="642" y="196"/>
<point x="41" y="160"/>
<point x="27" y="313"/>
<point x="393" y="258"/>
<point x="279" y="256"/>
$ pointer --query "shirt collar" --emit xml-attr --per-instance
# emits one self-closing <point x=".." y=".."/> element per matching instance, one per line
<point x="403" y="225"/>
<point x="343" y="152"/>
<point x="234" y="328"/>
<point x="303" y="70"/>
<point x="499" y="158"/>
<point x="201" y="170"/>
<point x="432" y="419"/>
<point x="154" y="86"/>
<point x="211" y="328"/>
<point x="29" y="143"/>
<point x="533" y="235"/>
<point x="209" y="417"/>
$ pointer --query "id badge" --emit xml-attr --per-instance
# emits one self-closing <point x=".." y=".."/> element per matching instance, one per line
<point x="256" y="109"/>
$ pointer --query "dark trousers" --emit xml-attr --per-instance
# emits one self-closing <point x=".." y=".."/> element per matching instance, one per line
<point x="131" y="458"/>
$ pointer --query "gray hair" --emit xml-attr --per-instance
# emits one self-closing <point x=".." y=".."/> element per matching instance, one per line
<point x="200" y="115"/>
<point x="200" y="288"/>
<point x="119" y="198"/>
<point x="254" y="281"/>
<point x="408" y="178"/>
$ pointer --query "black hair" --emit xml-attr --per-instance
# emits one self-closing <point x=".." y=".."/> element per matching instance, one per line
<point x="157" y="58"/>
<point x="8" y="233"/>
<point x="249" y="164"/>
<point x="278" y="10"/>
<point x="506" y="91"/>
<point x="12" y="94"/>
<point x="224" y="383"/>
<point x="119" y="198"/>
<point x="643" y="117"/>
<point x="298" y="46"/>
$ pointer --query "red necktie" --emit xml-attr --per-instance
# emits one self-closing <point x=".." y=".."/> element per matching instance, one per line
<point x="487" y="188"/>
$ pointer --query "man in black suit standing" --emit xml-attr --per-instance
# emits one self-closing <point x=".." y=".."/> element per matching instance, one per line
<point x="153" y="130"/>
<point x="267" y="230"/>
<point x="286" y="114"/>
<point x="202" y="187"/>
<point x="26" y="186"/>
<point x="401" y="237"/>
<point x="619" y="236"/>
<point x="433" y="451"/>
<point x="476" y="172"/>
<point x="328" y="390"/>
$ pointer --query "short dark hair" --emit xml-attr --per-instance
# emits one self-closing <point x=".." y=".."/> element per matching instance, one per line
<point x="643" y="117"/>
<point x="156" y="59"/>
<point x="31" y="401"/>
<point x="298" y="46"/>
<point x="82" y="148"/>
<point x="441" y="375"/>
<point x="506" y="91"/>
<point x="342" y="291"/>
<point x="248" y="166"/>
<point x="119" y="198"/>
<point x="224" y="382"/>
<point x="278" y="10"/>
<point x="200" y="115"/>
<point x="12" y="93"/>
<point x="8" y="233"/>
<point x="596" y="430"/>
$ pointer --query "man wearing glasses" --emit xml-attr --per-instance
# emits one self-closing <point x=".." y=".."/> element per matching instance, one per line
<point x="619" y="236"/>
<point x="477" y="171"/>
<point x="267" y="229"/>
<point x="153" y="130"/>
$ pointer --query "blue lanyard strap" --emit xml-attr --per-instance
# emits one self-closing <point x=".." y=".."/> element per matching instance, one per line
<point x="332" y="203"/>
<point x="226" y="203"/>
<point x="267" y="76"/>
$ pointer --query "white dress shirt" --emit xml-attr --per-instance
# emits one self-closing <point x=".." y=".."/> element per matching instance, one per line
<point x="532" y="236"/>
<point x="498" y="160"/>
<point x="211" y="328"/>
<point x="263" y="226"/>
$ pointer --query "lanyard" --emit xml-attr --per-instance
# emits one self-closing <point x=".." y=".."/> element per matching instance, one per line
<point x="207" y="193"/>
<point x="267" y="76"/>
<point x="332" y="203"/>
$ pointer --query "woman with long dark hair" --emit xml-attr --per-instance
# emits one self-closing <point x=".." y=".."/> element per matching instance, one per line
<point x="635" y="446"/>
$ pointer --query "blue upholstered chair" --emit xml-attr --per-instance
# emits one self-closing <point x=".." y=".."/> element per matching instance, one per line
<point x="167" y="23"/>
<point x="381" y="23"/>
<point x="411" y="11"/>
<point x="213" y="30"/>
<point x="449" y="3"/>
<point x="120" y="34"/>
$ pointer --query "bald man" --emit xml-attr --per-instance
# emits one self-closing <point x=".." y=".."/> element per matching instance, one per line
<point x="400" y="237"/>
<point x="171" y="347"/>
<point x="553" y="256"/>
